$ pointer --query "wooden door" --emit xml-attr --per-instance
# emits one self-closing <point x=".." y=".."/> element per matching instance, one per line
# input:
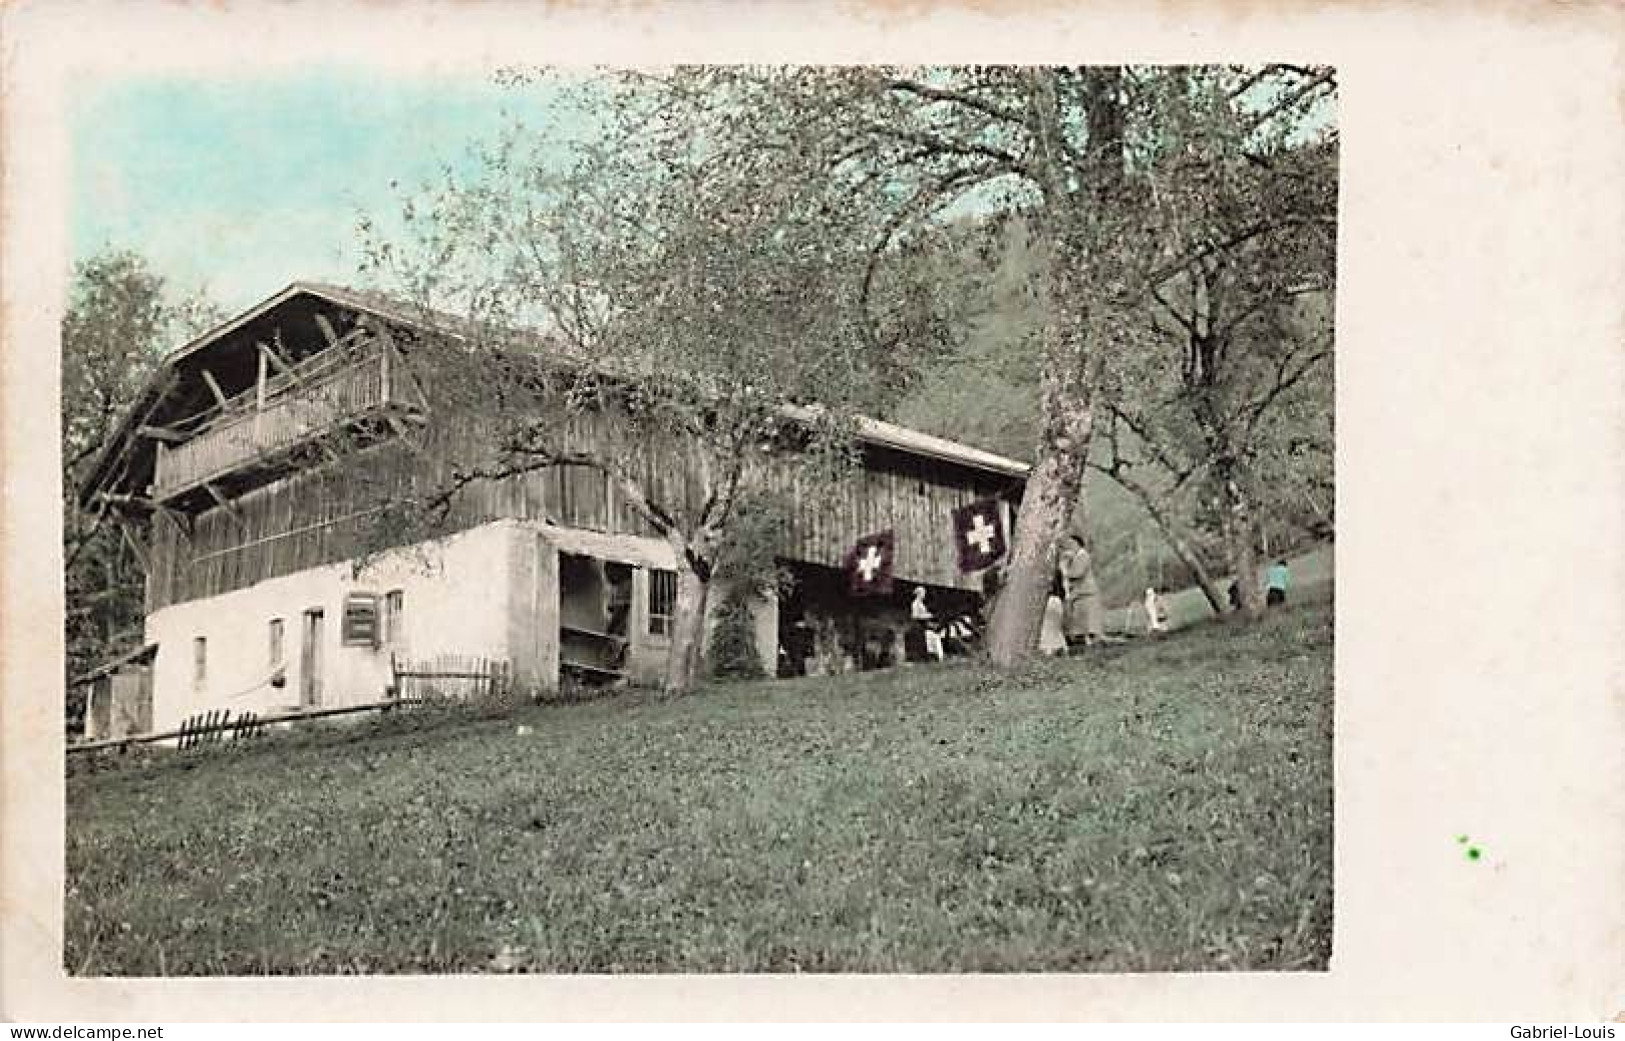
<point x="310" y="661"/>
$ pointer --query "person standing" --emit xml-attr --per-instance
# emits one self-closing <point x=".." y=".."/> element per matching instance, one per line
<point x="1156" y="613"/>
<point x="1276" y="582"/>
<point x="924" y="624"/>
<point x="1083" y="625"/>
<point x="1051" y="631"/>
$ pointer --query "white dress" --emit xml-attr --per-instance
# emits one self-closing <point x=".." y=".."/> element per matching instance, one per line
<point x="933" y="636"/>
<point x="1052" y="635"/>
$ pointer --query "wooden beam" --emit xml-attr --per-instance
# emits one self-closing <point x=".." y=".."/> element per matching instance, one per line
<point x="182" y="521"/>
<point x="136" y="547"/>
<point x="121" y="499"/>
<point x="328" y="332"/>
<point x="274" y="358"/>
<point x="164" y="434"/>
<point x="259" y="393"/>
<point x="228" y="724"/>
<point x="398" y="426"/>
<point x="230" y="506"/>
<point x="214" y="388"/>
<point x="331" y="452"/>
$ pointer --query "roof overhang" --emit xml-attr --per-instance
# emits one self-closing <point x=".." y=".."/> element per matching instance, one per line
<point x="141" y="655"/>
<point x="872" y="432"/>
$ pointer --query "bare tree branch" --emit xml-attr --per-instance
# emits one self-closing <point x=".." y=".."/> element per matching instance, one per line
<point x="955" y="97"/>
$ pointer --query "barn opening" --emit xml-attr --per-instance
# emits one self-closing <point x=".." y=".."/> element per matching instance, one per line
<point x="595" y="606"/>
<point x="824" y="629"/>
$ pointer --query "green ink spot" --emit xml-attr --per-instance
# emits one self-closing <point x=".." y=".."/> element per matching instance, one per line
<point x="1461" y="839"/>
<point x="1473" y="853"/>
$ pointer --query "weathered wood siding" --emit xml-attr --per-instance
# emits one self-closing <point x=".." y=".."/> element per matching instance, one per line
<point x="323" y="515"/>
<point x="324" y="394"/>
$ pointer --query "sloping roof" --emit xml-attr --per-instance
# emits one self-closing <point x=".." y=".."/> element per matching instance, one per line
<point x="152" y="390"/>
<point x="143" y="654"/>
<point x="890" y="435"/>
<point x="398" y="312"/>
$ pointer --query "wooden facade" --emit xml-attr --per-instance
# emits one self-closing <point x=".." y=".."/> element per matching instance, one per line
<point x="278" y="415"/>
<point x="256" y="490"/>
<point x="325" y="514"/>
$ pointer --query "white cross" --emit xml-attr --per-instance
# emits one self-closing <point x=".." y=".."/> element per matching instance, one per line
<point x="980" y="534"/>
<point x="870" y="563"/>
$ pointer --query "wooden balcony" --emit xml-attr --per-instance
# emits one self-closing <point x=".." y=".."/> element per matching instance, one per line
<point x="259" y="430"/>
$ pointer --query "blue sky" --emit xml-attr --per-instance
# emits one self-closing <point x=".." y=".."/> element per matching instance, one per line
<point x="240" y="186"/>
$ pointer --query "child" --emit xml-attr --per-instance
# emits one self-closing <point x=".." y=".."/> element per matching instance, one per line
<point x="1277" y="582"/>
<point x="1156" y="613"/>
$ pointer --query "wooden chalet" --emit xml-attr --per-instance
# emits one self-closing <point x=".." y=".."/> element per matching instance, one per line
<point x="226" y="475"/>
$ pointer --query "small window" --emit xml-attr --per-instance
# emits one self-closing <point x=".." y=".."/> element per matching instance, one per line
<point x="200" y="661"/>
<point x="275" y="647"/>
<point x="361" y="620"/>
<point x="662" y="595"/>
<point x="394" y="605"/>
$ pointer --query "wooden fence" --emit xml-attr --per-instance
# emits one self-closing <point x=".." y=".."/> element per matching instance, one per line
<point x="219" y="727"/>
<point x="458" y="678"/>
<point x="452" y="677"/>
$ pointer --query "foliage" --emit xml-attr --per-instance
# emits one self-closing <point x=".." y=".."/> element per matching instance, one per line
<point x="742" y="241"/>
<point x="733" y="651"/>
<point x="983" y="387"/>
<point x="1099" y="166"/>
<point x="747" y="555"/>
<point x="1221" y="416"/>
<point x="1098" y="814"/>
<point x="665" y="295"/>
<point x="1222" y="360"/>
<point x="748" y="568"/>
<point x="121" y="317"/>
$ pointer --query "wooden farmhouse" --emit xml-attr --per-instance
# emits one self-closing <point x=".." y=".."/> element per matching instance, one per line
<point x="225" y="475"/>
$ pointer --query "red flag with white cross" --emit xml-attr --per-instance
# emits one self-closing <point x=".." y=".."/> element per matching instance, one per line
<point x="979" y="534"/>
<point x="869" y="564"/>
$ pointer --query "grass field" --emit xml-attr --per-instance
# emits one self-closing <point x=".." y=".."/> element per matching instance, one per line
<point x="1312" y="574"/>
<point x="1158" y="806"/>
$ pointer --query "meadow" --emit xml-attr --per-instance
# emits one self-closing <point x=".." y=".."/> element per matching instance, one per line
<point x="1156" y="805"/>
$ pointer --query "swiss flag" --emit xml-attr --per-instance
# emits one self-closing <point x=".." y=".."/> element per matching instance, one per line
<point x="869" y="564"/>
<point x="979" y="534"/>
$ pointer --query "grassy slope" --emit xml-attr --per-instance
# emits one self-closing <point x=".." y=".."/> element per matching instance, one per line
<point x="1159" y="806"/>
<point x="1311" y="581"/>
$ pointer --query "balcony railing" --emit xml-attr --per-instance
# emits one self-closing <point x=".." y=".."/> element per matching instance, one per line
<point x="248" y="433"/>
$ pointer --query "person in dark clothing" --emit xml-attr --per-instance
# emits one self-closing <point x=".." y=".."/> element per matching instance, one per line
<point x="1275" y="593"/>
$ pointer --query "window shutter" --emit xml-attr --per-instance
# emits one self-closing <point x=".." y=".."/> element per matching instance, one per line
<point x="361" y="620"/>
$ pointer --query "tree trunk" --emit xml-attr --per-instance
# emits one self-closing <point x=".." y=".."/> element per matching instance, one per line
<point x="1205" y="581"/>
<point x="684" y="660"/>
<point x="1081" y="269"/>
<point x="1176" y="540"/>
<point x="1241" y="539"/>
<point x="1215" y="597"/>
<point x="1046" y="510"/>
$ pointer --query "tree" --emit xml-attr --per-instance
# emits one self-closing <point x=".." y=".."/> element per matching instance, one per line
<point x="121" y="317"/>
<point x="747" y="566"/>
<point x="727" y="177"/>
<point x="1217" y="186"/>
<point x="1208" y="418"/>
<point x="678" y="301"/>
<point x="1068" y="149"/>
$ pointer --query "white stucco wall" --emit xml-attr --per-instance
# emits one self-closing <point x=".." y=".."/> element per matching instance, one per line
<point x="456" y="601"/>
<point x="490" y="591"/>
